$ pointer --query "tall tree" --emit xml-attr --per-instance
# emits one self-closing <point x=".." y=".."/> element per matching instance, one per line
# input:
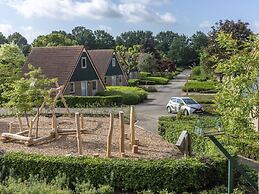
<point x="146" y="62"/>
<point x="17" y="38"/>
<point x="164" y="41"/>
<point x="3" y="39"/>
<point x="199" y="41"/>
<point x="84" y="37"/>
<point x="53" y="39"/>
<point x="131" y="38"/>
<point x="104" y="40"/>
<point x="239" y="31"/>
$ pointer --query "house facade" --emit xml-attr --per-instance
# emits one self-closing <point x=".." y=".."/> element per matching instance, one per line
<point x="108" y="67"/>
<point x="72" y="66"/>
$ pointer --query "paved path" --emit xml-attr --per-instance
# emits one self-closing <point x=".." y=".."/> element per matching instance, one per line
<point x="149" y="111"/>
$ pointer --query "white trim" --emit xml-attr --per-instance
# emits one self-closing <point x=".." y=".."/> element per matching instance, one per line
<point x="113" y="61"/>
<point x="73" y="84"/>
<point x="82" y="64"/>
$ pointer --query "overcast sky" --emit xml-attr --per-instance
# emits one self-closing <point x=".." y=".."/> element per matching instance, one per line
<point x="34" y="17"/>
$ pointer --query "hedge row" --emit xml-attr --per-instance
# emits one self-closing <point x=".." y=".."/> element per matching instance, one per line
<point x="245" y="143"/>
<point x="130" y="95"/>
<point x="91" y="101"/>
<point x="123" y="174"/>
<point x="201" y="86"/>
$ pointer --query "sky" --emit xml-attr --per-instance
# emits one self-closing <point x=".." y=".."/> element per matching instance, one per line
<point x="32" y="18"/>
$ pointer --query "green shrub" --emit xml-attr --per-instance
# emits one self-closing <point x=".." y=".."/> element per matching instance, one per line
<point x="158" y="80"/>
<point x="199" y="74"/>
<point x="91" y="101"/>
<point x="133" y="82"/>
<point x="198" y="86"/>
<point x="149" y="88"/>
<point x="203" y="98"/>
<point x="188" y="174"/>
<point x="130" y="95"/>
<point x="146" y="82"/>
<point x="144" y="74"/>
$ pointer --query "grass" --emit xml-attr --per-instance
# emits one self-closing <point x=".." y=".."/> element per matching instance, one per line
<point x="201" y="86"/>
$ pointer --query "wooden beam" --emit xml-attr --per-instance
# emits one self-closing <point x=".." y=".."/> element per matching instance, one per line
<point x="78" y="134"/>
<point x="42" y="139"/>
<point x="81" y="122"/>
<point x="15" y="137"/>
<point x="109" y="137"/>
<point x="122" y="133"/>
<point x="10" y="128"/>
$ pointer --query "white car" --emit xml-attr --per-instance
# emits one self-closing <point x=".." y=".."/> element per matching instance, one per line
<point x="188" y="105"/>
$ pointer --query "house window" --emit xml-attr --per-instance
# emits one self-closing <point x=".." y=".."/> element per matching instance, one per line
<point x="94" y="85"/>
<point x="72" y="88"/>
<point x="120" y="79"/>
<point x="105" y="80"/>
<point x="83" y="62"/>
<point x="113" y="61"/>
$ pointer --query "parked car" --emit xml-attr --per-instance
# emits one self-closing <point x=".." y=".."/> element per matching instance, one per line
<point x="186" y="104"/>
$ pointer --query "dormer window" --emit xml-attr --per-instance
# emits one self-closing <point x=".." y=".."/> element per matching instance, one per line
<point x="83" y="63"/>
<point x="113" y="62"/>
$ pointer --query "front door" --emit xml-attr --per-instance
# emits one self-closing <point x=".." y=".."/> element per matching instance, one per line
<point x="114" y="80"/>
<point x="84" y="88"/>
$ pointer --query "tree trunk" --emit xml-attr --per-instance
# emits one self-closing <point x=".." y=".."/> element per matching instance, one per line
<point x="37" y="123"/>
<point x="27" y="119"/>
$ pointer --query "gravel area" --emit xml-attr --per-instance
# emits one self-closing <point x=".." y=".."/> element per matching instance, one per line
<point x="94" y="141"/>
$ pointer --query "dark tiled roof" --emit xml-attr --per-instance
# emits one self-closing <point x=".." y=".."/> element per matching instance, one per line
<point x="55" y="62"/>
<point x="101" y="60"/>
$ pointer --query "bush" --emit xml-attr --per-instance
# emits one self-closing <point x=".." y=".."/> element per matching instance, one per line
<point x="189" y="174"/>
<point x="133" y="82"/>
<point x="146" y="82"/>
<point x="203" y="98"/>
<point x="199" y="74"/>
<point x="144" y="74"/>
<point x="91" y="101"/>
<point x="149" y="88"/>
<point x="198" y="86"/>
<point x="158" y="80"/>
<point x="130" y="95"/>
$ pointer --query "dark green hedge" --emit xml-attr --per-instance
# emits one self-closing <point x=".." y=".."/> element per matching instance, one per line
<point x="91" y="101"/>
<point x="123" y="174"/>
<point x="130" y="95"/>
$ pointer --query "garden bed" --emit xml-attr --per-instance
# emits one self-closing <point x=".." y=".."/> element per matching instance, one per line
<point x="94" y="141"/>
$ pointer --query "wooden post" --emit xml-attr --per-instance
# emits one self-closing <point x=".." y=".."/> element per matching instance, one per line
<point x="109" y="138"/>
<point x="132" y="126"/>
<point x="122" y="131"/>
<point x="54" y="125"/>
<point x="81" y="122"/>
<point x="78" y="134"/>
<point x="10" y="127"/>
<point x="20" y="123"/>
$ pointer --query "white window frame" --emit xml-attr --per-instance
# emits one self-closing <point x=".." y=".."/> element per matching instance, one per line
<point x="113" y="61"/>
<point x="73" y="87"/>
<point x="82" y="64"/>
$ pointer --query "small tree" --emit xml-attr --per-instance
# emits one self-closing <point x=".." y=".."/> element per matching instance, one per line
<point x="29" y="92"/>
<point x="146" y="62"/>
<point x="238" y="97"/>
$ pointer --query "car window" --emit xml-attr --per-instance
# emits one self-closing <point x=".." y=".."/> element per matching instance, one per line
<point x="189" y="101"/>
<point x="179" y="101"/>
<point x="173" y="99"/>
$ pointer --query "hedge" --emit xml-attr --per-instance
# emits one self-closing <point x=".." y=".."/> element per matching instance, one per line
<point x="91" y="101"/>
<point x="157" y="80"/>
<point x="123" y="174"/>
<point x="130" y="95"/>
<point x="243" y="142"/>
<point x="200" y="86"/>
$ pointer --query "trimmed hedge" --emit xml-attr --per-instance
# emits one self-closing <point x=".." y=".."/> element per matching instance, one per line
<point x="91" y="101"/>
<point x="245" y="142"/>
<point x="157" y="80"/>
<point x="130" y="95"/>
<point x="200" y="86"/>
<point x="131" y="175"/>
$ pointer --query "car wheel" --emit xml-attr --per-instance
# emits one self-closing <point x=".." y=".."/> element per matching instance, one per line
<point x="185" y="112"/>
<point x="169" y="110"/>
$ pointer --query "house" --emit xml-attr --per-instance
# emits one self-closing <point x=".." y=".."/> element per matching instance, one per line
<point x="71" y="65"/>
<point x="108" y="66"/>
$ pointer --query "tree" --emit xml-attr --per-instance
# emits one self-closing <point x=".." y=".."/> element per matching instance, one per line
<point x="53" y="39"/>
<point x="129" y="57"/>
<point x="11" y="61"/>
<point x="103" y="40"/>
<point x="181" y="52"/>
<point x="238" y="97"/>
<point x="3" y="39"/>
<point x="17" y="38"/>
<point x="146" y="62"/>
<point x="28" y="92"/>
<point x="84" y="37"/>
<point x="164" y="41"/>
<point x="131" y="38"/>
<point x="238" y="30"/>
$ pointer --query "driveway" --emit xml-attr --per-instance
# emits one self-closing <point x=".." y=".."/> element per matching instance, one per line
<point x="149" y="111"/>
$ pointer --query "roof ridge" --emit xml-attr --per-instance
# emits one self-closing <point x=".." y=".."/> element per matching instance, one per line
<point x="57" y="47"/>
